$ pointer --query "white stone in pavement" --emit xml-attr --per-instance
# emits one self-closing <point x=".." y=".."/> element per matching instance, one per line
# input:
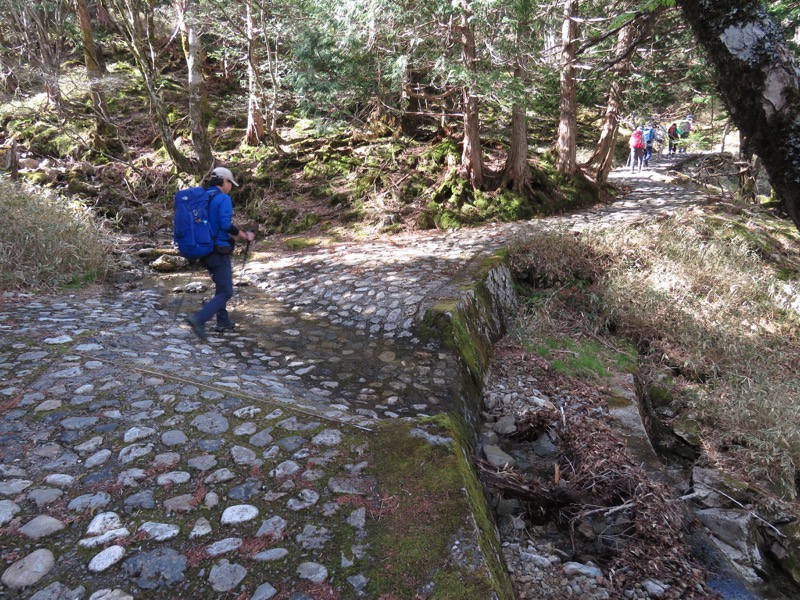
<point x="48" y="405"/>
<point x="134" y="451"/>
<point x="60" y="480"/>
<point x="29" y="570"/>
<point x="12" y="487"/>
<point x="116" y="594"/>
<point x="104" y="522"/>
<point x="106" y="559"/>
<point x="313" y="572"/>
<point x="88" y="347"/>
<point x="100" y="540"/>
<point x="223" y="546"/>
<point x="244" y="456"/>
<point x="173" y="478"/>
<point x="327" y="437"/>
<point x="220" y="475"/>
<point x="271" y="554"/>
<point x="248" y="428"/>
<point x="264" y="592"/>
<point x="98" y="458"/>
<point x="8" y="509"/>
<point x="225" y="576"/>
<point x="240" y="513"/>
<point x="247" y="412"/>
<point x="61" y="339"/>
<point x="134" y="434"/>
<point x="201" y="528"/>
<point x="285" y="469"/>
<point x="160" y="532"/>
<point x="89" y="446"/>
<point x="40" y="527"/>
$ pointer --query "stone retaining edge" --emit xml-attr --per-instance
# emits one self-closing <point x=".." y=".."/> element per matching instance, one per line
<point x="469" y="325"/>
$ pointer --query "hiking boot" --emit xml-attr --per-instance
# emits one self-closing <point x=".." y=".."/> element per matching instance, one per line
<point x="221" y="327"/>
<point x="197" y="328"/>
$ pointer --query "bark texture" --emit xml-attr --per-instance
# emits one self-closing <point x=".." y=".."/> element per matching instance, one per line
<point x="602" y="159"/>
<point x="516" y="173"/>
<point x="104" y="135"/>
<point x="471" y="157"/>
<point x="254" y="135"/>
<point x="759" y="81"/>
<point x="196" y="90"/>
<point x="567" y="125"/>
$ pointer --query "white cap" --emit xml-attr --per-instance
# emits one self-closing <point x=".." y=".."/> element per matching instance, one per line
<point x="223" y="173"/>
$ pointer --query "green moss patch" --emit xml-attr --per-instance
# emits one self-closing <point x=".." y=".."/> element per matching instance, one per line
<point x="425" y="510"/>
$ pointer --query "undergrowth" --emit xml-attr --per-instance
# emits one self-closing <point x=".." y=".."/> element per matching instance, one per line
<point x="47" y="241"/>
<point x="710" y="296"/>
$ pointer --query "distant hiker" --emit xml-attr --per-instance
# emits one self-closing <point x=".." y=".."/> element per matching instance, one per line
<point x="649" y="135"/>
<point x="218" y="263"/>
<point x="672" y="132"/>
<point x="637" y="146"/>
<point x="684" y="129"/>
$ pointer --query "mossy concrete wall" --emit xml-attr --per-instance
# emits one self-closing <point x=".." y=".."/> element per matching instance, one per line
<point x="469" y="324"/>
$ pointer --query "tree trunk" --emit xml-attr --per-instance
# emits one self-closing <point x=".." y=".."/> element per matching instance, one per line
<point x="104" y="134"/>
<point x="254" y="135"/>
<point x="135" y="28"/>
<point x="566" y="163"/>
<point x="602" y="159"/>
<point x="516" y="173"/>
<point x="471" y="157"/>
<point x="759" y="81"/>
<point x="47" y="31"/>
<point x="196" y="90"/>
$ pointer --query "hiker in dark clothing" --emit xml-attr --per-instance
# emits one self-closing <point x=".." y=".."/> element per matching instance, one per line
<point x="672" y="133"/>
<point x="218" y="263"/>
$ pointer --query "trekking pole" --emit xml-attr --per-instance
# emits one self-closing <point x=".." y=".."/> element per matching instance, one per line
<point x="247" y="254"/>
<point x="241" y="270"/>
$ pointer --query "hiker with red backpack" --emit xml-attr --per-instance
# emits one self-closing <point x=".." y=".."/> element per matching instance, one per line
<point x="637" y="146"/>
<point x="673" y="135"/>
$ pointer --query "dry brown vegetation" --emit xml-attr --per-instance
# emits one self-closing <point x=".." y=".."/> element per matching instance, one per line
<point x="47" y="241"/>
<point x="712" y="297"/>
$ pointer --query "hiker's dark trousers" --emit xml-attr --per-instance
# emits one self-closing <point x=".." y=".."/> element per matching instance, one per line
<point x="219" y="266"/>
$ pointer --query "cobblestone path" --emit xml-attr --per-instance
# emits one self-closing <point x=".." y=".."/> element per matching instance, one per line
<point x="136" y="461"/>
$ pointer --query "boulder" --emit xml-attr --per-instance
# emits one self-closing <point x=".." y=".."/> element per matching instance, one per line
<point x="167" y="264"/>
<point x="735" y="533"/>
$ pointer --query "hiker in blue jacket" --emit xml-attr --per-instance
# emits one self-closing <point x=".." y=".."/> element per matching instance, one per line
<point x="218" y="263"/>
<point x="649" y="135"/>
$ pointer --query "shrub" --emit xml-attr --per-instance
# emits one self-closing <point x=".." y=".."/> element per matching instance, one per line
<point x="48" y="241"/>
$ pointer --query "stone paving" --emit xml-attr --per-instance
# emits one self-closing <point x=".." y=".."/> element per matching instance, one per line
<point x="136" y="460"/>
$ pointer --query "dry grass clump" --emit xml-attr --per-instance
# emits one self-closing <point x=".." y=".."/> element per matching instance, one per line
<point x="713" y="297"/>
<point x="47" y="241"/>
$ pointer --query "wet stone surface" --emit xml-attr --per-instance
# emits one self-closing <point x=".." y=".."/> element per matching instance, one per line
<point x="137" y="461"/>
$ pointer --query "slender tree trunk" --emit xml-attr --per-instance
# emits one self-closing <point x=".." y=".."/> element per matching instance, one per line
<point x="759" y="80"/>
<point x="272" y="63"/>
<point x="135" y="27"/>
<point x="104" y="134"/>
<point x="602" y="159"/>
<point x="566" y="162"/>
<point x="516" y="173"/>
<point x="254" y="135"/>
<point x="196" y="92"/>
<point x="49" y="46"/>
<point x="471" y="158"/>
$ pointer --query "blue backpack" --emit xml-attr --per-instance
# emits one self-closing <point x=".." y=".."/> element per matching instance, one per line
<point x="193" y="234"/>
<point x="649" y="134"/>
